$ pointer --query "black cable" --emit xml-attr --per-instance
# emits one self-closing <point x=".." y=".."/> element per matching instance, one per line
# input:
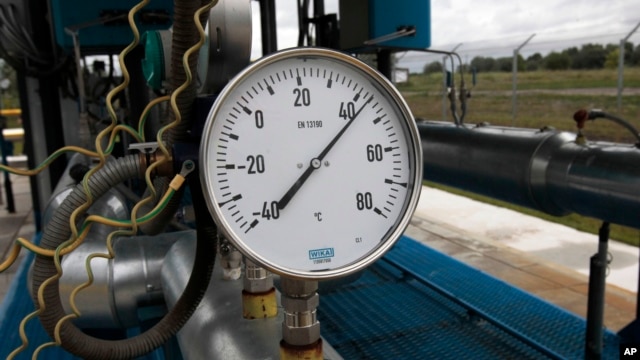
<point x="15" y="37"/>
<point x="18" y="25"/>
<point x="45" y="64"/>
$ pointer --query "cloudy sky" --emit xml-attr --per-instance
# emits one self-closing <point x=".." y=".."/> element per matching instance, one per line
<point x="495" y="28"/>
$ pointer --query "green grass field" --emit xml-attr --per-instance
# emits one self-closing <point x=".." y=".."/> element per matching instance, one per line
<point x="528" y="80"/>
<point x="545" y="98"/>
<point x="491" y="99"/>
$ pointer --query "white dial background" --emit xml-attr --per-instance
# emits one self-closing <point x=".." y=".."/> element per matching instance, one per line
<point x="264" y="132"/>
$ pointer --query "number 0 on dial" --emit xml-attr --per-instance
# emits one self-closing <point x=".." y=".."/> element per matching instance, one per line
<point x="311" y="163"/>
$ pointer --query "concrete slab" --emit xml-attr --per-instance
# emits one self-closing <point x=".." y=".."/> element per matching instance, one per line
<point x="537" y="238"/>
<point x="555" y="283"/>
<point x="487" y="247"/>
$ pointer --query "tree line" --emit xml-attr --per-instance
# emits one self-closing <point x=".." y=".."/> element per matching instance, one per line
<point x="588" y="56"/>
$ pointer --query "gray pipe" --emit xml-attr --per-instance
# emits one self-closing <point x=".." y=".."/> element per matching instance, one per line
<point x="540" y="169"/>
<point x="122" y="285"/>
<point x="217" y="329"/>
<point x="57" y="231"/>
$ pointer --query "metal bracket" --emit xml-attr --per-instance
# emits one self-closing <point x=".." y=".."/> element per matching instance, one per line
<point x="401" y="32"/>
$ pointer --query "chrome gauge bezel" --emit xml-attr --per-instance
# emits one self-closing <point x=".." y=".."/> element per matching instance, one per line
<point x="410" y="131"/>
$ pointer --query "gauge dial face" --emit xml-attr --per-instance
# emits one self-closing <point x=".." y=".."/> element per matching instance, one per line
<point x="311" y="163"/>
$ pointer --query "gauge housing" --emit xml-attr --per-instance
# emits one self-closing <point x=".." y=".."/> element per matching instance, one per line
<point x="311" y="163"/>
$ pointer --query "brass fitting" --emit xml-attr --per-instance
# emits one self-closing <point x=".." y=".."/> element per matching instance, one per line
<point x="166" y="163"/>
<point x="258" y="296"/>
<point x="259" y="305"/>
<point x="307" y="352"/>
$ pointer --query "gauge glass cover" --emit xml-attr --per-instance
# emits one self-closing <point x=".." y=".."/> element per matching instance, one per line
<point x="311" y="163"/>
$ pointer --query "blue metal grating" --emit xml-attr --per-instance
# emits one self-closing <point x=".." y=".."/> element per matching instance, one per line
<point x="419" y="303"/>
<point x="401" y="308"/>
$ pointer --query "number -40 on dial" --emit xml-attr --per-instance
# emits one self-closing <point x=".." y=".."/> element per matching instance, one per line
<point x="311" y="163"/>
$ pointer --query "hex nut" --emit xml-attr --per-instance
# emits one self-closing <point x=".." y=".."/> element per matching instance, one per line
<point x="258" y="286"/>
<point x="301" y="336"/>
<point x="296" y="287"/>
<point x="297" y="304"/>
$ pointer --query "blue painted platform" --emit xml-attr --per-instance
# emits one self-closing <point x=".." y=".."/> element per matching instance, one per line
<point x="16" y="305"/>
<point x="415" y="303"/>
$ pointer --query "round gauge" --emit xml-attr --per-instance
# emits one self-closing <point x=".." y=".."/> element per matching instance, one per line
<point x="311" y="163"/>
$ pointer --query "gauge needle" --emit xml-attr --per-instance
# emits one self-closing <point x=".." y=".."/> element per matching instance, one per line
<point x="315" y="162"/>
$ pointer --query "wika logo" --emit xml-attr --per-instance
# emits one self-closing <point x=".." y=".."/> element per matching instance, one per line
<point x="320" y="253"/>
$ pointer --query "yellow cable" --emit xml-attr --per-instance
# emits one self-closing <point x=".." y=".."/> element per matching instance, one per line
<point x="145" y="113"/>
<point x="41" y="305"/>
<point x="117" y="223"/>
<point x="109" y="104"/>
<point x="110" y="255"/>
<point x="49" y="252"/>
<point x="77" y="238"/>
<point x="23" y="335"/>
<point x="187" y="70"/>
<point x="102" y="160"/>
<point x="76" y="290"/>
<point x="125" y="73"/>
<point x="48" y="161"/>
<point x="13" y="255"/>
<point x="41" y="302"/>
<point x="22" y="242"/>
<point x="23" y="323"/>
<point x="37" y="351"/>
<point x="174" y="95"/>
<point x="175" y="185"/>
<point x="125" y="128"/>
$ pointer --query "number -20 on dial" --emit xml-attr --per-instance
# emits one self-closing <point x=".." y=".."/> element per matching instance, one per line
<point x="311" y="163"/>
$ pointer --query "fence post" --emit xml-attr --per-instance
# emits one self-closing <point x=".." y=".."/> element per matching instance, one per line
<point x="621" y="65"/>
<point x="514" y="97"/>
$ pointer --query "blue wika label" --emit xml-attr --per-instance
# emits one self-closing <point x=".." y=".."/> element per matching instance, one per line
<point x="321" y="253"/>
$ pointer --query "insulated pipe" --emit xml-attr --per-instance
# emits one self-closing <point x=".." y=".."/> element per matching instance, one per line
<point x="122" y="285"/>
<point x="58" y="231"/>
<point x="217" y="330"/>
<point x="540" y="169"/>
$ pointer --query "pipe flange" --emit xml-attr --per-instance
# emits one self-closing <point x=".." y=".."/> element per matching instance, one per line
<point x="538" y="172"/>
